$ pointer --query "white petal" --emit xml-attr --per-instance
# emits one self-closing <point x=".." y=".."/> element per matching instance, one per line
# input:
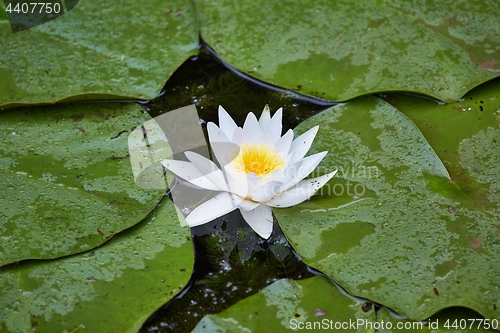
<point x="275" y="124"/>
<point x="265" y="117"/>
<point x="251" y="127"/>
<point x="189" y="172"/>
<point x="215" y="134"/>
<point x="266" y="192"/>
<point x="240" y="137"/>
<point x="260" y="220"/>
<point x="285" y="175"/>
<point x="208" y="169"/>
<point x="226" y="123"/>
<point x="266" y="139"/>
<point x="306" y="167"/>
<point x="237" y="181"/>
<point x="244" y="204"/>
<point x="260" y="190"/>
<point x="282" y="146"/>
<point x="301" y="145"/>
<point x="211" y="209"/>
<point x="225" y="152"/>
<point x="299" y="193"/>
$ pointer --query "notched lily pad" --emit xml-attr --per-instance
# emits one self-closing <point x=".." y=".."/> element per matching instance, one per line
<point x="311" y="304"/>
<point x="113" y="288"/>
<point x="343" y="49"/>
<point x="406" y="235"/>
<point x="101" y="49"/>
<point x="67" y="182"/>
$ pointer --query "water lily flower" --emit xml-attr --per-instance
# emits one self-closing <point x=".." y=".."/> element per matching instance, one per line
<point x="258" y="169"/>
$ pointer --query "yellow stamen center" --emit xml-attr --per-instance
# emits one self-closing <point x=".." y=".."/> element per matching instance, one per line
<point x="259" y="159"/>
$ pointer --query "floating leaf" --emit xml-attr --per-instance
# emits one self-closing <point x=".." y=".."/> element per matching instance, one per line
<point x="393" y="228"/>
<point x="289" y="304"/>
<point x="113" y="288"/>
<point x="97" y="50"/>
<point x="67" y="182"/>
<point x="338" y="50"/>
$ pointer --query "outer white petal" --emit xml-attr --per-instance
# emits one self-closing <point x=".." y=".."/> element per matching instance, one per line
<point x="260" y="220"/>
<point x="265" y="117"/>
<point x="299" y="193"/>
<point x="237" y="181"/>
<point x="225" y="152"/>
<point x="244" y="204"/>
<point x="260" y="190"/>
<point x="287" y="174"/>
<point x="226" y="123"/>
<point x="211" y="209"/>
<point x="208" y="169"/>
<point x="284" y="143"/>
<point x="252" y="127"/>
<point x="189" y="172"/>
<point x="266" y="192"/>
<point x="215" y="134"/>
<point x="306" y="167"/>
<point x="301" y="145"/>
<point x="275" y="124"/>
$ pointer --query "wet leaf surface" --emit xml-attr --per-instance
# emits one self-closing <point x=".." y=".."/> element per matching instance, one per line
<point x="67" y="183"/>
<point x="343" y="49"/>
<point x="113" y="288"/>
<point x="289" y="304"/>
<point x="97" y="50"/>
<point x="392" y="227"/>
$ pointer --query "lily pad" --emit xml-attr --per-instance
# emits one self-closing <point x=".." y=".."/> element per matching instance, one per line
<point x="113" y="288"/>
<point x="97" y="50"/>
<point x="313" y="303"/>
<point x="393" y="227"/>
<point x="67" y="181"/>
<point x="342" y="49"/>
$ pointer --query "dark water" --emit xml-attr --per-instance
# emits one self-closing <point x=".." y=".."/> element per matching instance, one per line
<point x="231" y="261"/>
<point x="206" y="82"/>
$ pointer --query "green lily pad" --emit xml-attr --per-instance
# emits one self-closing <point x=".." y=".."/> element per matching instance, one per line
<point x="392" y="227"/>
<point x="342" y="49"/>
<point x="113" y="288"/>
<point x="97" y="50"/>
<point x="67" y="181"/>
<point x="287" y="304"/>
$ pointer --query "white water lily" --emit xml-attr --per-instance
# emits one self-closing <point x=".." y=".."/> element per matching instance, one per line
<point x="259" y="169"/>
